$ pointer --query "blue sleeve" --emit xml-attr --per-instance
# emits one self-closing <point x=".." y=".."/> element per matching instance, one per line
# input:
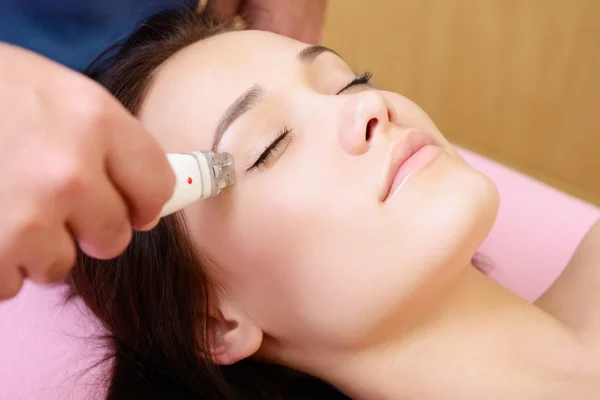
<point x="73" y="32"/>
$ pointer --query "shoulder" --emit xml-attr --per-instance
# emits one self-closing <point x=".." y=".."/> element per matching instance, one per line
<point x="586" y="261"/>
<point x="574" y="298"/>
<point x="590" y="245"/>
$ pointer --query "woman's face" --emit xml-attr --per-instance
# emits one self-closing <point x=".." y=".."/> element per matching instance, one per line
<point x="308" y="243"/>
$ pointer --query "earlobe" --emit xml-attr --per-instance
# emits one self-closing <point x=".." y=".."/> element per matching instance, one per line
<point x="233" y="336"/>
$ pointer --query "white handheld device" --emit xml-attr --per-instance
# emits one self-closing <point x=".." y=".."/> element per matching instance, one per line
<point x="200" y="174"/>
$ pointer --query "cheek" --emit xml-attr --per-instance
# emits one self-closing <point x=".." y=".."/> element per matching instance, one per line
<point x="290" y="211"/>
<point x="285" y="246"/>
<point x="280" y="209"/>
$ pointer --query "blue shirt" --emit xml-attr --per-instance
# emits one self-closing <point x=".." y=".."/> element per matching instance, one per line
<point x="73" y="32"/>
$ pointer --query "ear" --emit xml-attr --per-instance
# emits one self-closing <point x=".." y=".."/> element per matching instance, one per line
<point x="233" y="335"/>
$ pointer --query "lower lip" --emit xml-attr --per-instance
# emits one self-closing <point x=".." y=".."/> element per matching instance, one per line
<point x="418" y="160"/>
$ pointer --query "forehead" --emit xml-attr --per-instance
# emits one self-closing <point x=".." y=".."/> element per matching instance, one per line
<point x="190" y="91"/>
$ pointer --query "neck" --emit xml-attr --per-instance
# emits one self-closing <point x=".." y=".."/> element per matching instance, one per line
<point x="476" y="340"/>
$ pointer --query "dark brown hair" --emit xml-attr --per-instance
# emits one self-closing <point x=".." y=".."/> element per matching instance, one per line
<point x="154" y="299"/>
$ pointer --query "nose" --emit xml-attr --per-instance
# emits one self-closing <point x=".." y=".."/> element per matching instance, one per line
<point x="364" y="116"/>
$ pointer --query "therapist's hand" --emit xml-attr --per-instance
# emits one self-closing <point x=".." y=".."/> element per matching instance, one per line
<point x="75" y="167"/>
<point x="299" y="19"/>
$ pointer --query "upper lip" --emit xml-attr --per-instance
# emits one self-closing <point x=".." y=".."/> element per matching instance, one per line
<point x="400" y="151"/>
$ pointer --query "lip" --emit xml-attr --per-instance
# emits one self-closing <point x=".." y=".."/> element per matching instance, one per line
<point x="402" y="151"/>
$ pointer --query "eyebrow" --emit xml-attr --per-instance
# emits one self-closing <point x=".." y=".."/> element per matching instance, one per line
<point x="308" y="54"/>
<point x="241" y="105"/>
<point x="252" y="96"/>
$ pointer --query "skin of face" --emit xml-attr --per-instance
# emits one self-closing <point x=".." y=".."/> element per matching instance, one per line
<point x="302" y="248"/>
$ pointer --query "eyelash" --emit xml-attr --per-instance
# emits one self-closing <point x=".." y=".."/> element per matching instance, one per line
<point x="270" y="149"/>
<point x="362" y="79"/>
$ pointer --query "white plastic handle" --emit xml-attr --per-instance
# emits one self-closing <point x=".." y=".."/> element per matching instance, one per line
<point x="193" y="181"/>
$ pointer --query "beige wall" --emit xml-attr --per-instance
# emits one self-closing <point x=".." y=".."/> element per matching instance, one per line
<point x="516" y="80"/>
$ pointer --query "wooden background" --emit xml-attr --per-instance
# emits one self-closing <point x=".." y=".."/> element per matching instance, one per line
<point x="515" y="80"/>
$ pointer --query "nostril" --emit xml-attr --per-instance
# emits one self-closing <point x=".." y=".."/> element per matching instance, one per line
<point x="370" y="126"/>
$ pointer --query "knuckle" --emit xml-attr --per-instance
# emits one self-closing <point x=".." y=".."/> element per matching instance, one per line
<point x="67" y="176"/>
<point x="28" y="222"/>
<point x="92" y="110"/>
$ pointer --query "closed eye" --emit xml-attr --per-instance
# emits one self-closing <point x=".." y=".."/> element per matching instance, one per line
<point x="277" y="145"/>
<point x="284" y="135"/>
<point x="362" y="79"/>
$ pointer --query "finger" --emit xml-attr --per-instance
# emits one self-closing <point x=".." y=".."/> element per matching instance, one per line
<point x="139" y="169"/>
<point x="54" y="257"/>
<point x="10" y="281"/>
<point x="223" y="9"/>
<point x="150" y="226"/>
<point x="100" y="221"/>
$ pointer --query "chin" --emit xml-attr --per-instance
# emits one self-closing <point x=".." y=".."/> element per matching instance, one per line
<point x="476" y="210"/>
<point x="473" y="206"/>
<point x="452" y="206"/>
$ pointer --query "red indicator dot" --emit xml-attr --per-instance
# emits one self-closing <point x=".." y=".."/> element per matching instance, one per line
<point x="189" y="181"/>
